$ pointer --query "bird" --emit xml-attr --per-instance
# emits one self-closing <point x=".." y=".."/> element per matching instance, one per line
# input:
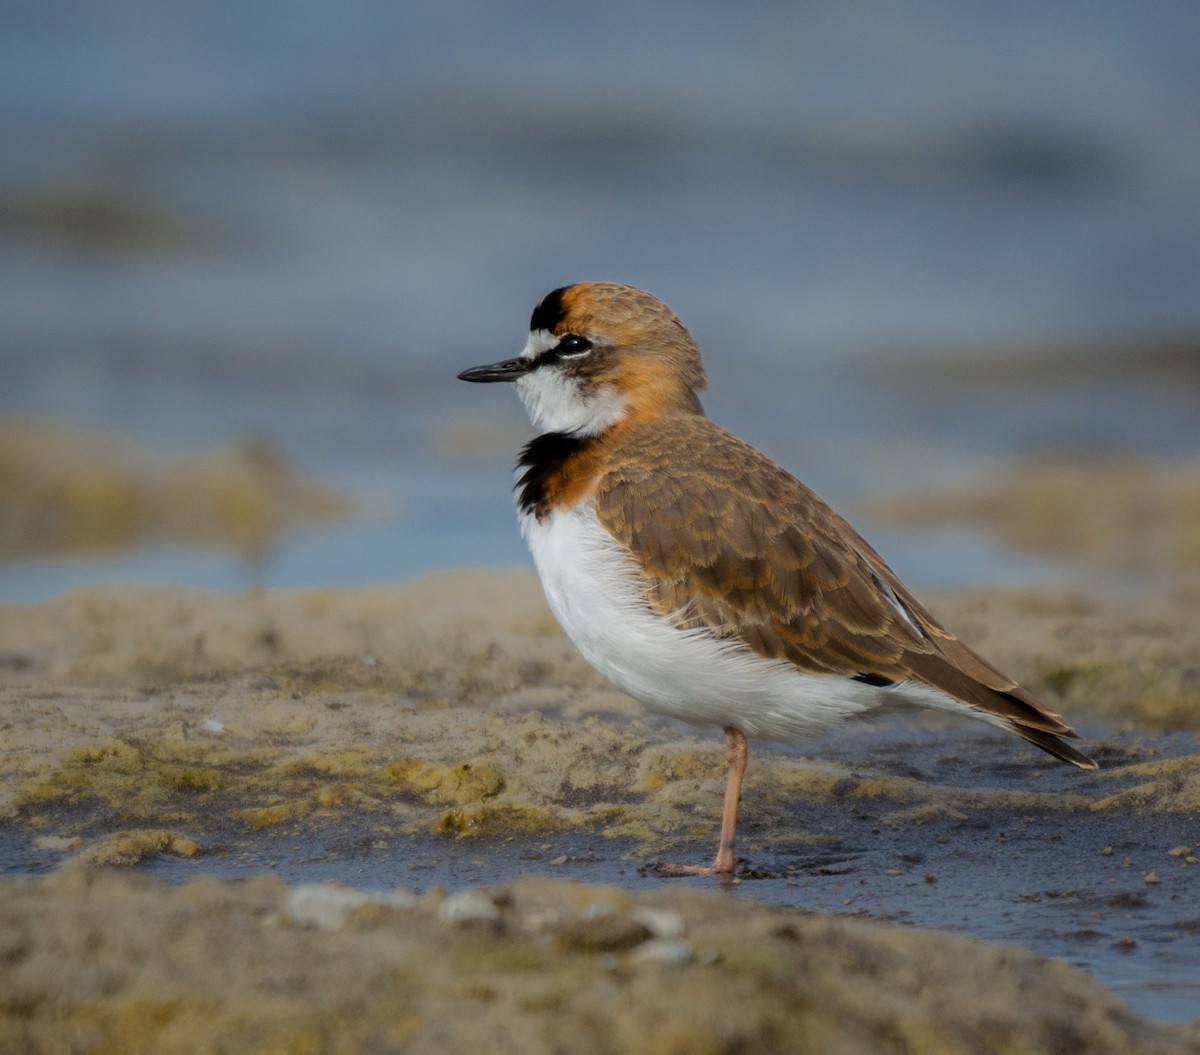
<point x="700" y="577"/>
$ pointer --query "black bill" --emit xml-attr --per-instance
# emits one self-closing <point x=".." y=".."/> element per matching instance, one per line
<point x="509" y="370"/>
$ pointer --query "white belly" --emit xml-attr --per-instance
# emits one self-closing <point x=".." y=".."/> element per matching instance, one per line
<point x="594" y="590"/>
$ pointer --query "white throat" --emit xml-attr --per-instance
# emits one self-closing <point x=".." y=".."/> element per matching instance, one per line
<point x="555" y="402"/>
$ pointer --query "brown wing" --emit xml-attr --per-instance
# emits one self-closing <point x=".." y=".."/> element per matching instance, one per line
<point x="772" y="565"/>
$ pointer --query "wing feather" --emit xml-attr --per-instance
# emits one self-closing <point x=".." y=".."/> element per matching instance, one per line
<point x="732" y="543"/>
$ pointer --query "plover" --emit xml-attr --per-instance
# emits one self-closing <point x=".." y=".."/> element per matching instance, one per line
<point x="697" y="575"/>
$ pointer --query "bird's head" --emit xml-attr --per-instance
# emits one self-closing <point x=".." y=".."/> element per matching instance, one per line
<point x="599" y="353"/>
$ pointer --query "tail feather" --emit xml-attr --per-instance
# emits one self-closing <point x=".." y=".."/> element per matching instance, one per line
<point x="1055" y="745"/>
<point x="964" y="674"/>
<point x="986" y="689"/>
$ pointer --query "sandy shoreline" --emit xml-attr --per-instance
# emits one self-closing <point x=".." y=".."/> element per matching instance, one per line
<point x="444" y="733"/>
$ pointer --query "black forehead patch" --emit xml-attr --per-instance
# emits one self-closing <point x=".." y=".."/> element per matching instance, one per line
<point x="547" y="315"/>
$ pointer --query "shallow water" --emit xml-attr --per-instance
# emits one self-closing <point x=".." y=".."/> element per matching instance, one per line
<point x="222" y="221"/>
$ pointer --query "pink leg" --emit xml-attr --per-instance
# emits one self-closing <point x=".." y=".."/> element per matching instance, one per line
<point x="737" y="754"/>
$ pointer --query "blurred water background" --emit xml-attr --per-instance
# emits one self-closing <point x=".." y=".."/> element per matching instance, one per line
<point x="917" y="243"/>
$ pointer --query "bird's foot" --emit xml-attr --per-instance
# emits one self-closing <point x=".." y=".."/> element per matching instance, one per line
<point x="664" y="870"/>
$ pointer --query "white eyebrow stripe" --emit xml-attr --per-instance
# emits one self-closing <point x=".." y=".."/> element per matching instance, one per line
<point x="539" y="341"/>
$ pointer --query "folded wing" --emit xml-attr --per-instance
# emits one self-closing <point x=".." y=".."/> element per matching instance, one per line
<point x="771" y="565"/>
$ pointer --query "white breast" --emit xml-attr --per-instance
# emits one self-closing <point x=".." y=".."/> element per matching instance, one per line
<point x="594" y="590"/>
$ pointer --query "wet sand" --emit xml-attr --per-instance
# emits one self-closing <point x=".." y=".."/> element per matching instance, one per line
<point x="104" y="962"/>
<point x="444" y="737"/>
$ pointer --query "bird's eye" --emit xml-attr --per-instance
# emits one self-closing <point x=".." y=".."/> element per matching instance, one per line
<point x="572" y="346"/>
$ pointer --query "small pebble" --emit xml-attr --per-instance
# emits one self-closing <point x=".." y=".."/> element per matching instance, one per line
<point x="327" y="906"/>
<point x="662" y="950"/>
<point x="661" y="922"/>
<point x="1179" y="851"/>
<point x="1150" y="878"/>
<point x="469" y="906"/>
<point x="211" y="725"/>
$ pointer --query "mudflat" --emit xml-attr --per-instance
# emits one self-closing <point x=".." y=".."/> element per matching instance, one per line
<point x="186" y="772"/>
